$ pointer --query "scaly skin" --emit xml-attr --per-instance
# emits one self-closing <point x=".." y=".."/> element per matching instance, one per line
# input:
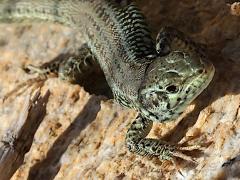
<point x="159" y="81"/>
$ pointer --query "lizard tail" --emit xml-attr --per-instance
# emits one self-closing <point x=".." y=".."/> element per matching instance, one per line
<point x="43" y="10"/>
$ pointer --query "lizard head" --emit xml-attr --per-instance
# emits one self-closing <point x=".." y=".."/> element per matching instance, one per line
<point x="171" y="83"/>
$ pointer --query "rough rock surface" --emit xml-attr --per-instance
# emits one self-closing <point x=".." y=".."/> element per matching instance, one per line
<point x="82" y="135"/>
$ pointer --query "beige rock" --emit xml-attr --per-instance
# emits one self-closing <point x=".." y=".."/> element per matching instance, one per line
<point x="235" y="9"/>
<point x="82" y="135"/>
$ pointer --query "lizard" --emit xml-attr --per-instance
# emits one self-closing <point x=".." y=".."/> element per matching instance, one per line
<point x="157" y="79"/>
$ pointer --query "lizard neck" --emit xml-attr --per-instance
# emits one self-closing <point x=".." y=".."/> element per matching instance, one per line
<point x="117" y="35"/>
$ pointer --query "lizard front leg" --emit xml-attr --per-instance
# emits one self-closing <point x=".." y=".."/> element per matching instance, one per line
<point x="69" y="68"/>
<point x="172" y="81"/>
<point x="137" y="142"/>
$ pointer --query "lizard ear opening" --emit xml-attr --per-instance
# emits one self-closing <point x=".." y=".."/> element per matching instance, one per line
<point x="162" y="47"/>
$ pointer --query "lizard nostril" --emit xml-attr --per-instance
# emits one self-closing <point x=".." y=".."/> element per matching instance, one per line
<point x="200" y="71"/>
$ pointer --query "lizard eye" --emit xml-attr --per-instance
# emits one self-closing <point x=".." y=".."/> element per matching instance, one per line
<point x="172" y="89"/>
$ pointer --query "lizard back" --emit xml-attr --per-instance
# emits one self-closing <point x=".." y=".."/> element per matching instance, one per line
<point x="117" y="35"/>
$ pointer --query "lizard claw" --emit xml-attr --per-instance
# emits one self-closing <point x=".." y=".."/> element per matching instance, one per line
<point x="20" y="88"/>
<point x="178" y="152"/>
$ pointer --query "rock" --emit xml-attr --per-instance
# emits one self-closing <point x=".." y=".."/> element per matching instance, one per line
<point x="82" y="135"/>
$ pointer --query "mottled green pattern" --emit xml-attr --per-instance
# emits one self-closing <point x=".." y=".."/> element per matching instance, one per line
<point x="159" y="82"/>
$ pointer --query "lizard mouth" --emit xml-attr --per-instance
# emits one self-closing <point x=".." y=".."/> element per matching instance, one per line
<point x="195" y="87"/>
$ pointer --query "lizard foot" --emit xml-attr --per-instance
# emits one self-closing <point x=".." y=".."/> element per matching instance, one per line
<point x="66" y="66"/>
<point x="179" y="152"/>
<point x="137" y="142"/>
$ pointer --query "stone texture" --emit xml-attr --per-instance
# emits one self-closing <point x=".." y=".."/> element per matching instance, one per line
<point x="82" y="135"/>
<point x="235" y="8"/>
